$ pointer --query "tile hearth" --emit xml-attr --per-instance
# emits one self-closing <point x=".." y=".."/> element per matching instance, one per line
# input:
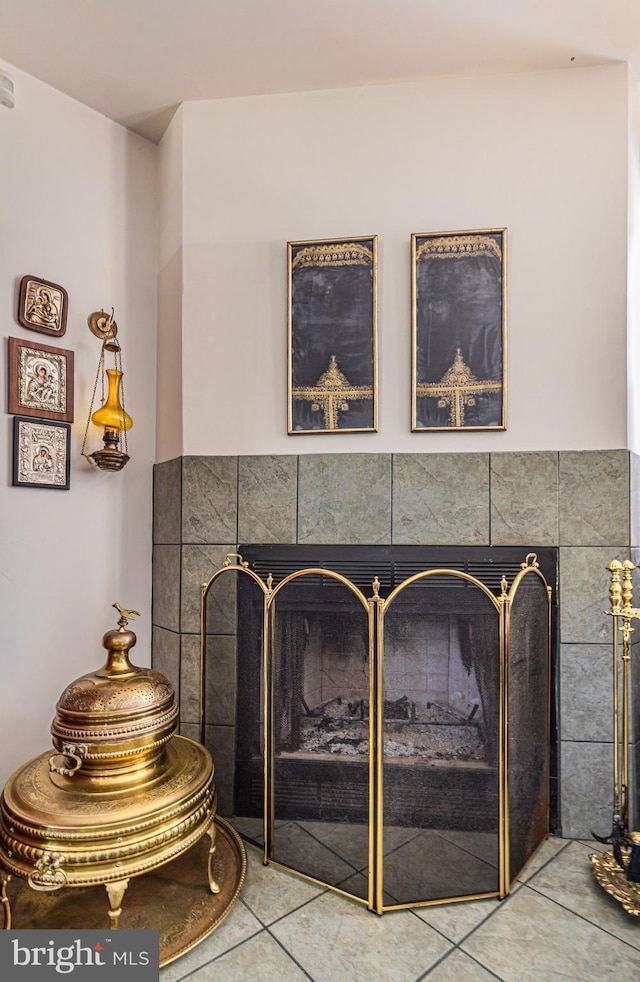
<point x="584" y="503"/>
<point x="557" y="923"/>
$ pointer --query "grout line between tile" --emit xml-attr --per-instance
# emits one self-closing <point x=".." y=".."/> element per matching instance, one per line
<point x="294" y="910"/>
<point x="222" y="953"/>
<point x="454" y="946"/>
<point x="544" y="865"/>
<point x="447" y="954"/>
<point x="452" y="842"/>
<point x="288" y="953"/>
<point x="330" y="849"/>
<point x="499" y="905"/>
<point x="582" y="917"/>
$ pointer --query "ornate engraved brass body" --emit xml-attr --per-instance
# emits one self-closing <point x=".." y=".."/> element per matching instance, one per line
<point x="122" y="794"/>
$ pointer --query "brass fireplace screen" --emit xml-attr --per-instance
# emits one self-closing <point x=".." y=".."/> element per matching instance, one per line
<point x="402" y="741"/>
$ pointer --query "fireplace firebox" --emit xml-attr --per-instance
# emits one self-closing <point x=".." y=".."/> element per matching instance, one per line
<point x="397" y="701"/>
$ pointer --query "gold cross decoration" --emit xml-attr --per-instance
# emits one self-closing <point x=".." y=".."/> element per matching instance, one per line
<point x="331" y="394"/>
<point x="457" y="388"/>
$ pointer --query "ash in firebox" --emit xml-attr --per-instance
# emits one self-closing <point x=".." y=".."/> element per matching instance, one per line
<point x="420" y="731"/>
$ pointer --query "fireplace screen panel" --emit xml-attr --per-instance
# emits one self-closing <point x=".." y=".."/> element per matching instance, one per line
<point x="441" y="736"/>
<point x="528" y="714"/>
<point x="374" y="739"/>
<point x="320" y="770"/>
<point x="249" y="749"/>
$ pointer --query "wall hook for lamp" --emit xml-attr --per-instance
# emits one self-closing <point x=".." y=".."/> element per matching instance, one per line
<point x="102" y="325"/>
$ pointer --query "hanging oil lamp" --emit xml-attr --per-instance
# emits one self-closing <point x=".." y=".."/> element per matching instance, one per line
<point x="111" y="415"/>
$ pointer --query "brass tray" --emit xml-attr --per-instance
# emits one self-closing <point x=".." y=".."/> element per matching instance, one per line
<point x="613" y="879"/>
<point x="174" y="899"/>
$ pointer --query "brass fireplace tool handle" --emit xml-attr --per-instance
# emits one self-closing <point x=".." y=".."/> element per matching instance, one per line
<point x="618" y="870"/>
<point x="622" y="612"/>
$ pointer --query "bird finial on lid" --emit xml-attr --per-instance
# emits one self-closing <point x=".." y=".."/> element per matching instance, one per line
<point x="125" y="616"/>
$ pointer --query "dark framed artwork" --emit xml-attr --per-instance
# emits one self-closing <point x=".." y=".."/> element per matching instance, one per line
<point x="42" y="306"/>
<point x="40" y="380"/>
<point x="332" y="336"/>
<point x="41" y="457"/>
<point x="459" y="330"/>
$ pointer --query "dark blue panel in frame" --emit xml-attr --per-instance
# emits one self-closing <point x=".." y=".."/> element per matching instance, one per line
<point x="459" y="330"/>
<point x="332" y="335"/>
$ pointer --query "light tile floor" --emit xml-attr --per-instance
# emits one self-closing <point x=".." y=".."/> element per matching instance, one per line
<point x="557" y="924"/>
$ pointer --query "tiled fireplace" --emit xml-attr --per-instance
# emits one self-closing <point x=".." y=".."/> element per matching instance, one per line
<point x="580" y="502"/>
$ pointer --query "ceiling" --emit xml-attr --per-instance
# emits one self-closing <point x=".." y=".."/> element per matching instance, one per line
<point x="135" y="61"/>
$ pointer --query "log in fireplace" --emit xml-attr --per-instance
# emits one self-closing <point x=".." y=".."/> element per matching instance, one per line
<point x="397" y="699"/>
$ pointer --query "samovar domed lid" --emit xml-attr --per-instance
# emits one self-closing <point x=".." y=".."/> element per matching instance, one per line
<point x="118" y="689"/>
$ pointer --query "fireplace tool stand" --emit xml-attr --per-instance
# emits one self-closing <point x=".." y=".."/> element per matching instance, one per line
<point x="618" y="870"/>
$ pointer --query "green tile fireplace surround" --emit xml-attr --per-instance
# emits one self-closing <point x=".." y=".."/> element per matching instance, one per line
<point x="585" y="503"/>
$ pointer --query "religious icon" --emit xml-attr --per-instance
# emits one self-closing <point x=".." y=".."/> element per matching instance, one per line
<point x="41" y="456"/>
<point x="459" y="330"/>
<point x="332" y="333"/>
<point x="42" y="306"/>
<point x="40" y="380"/>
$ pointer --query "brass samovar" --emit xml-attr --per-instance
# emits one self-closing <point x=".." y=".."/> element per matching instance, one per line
<point x="121" y="795"/>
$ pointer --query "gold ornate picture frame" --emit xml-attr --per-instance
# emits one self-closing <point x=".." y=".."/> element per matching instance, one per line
<point x="332" y="335"/>
<point x="458" y="294"/>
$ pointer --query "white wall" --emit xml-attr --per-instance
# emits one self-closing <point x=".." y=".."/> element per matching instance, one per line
<point x="633" y="335"/>
<point x="169" y="376"/>
<point x="543" y="154"/>
<point x="78" y="208"/>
